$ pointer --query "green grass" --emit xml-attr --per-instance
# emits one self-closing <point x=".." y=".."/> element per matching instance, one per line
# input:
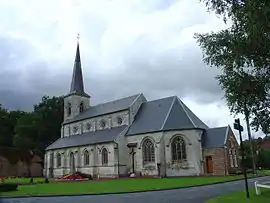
<point x="113" y="186"/>
<point x="239" y="197"/>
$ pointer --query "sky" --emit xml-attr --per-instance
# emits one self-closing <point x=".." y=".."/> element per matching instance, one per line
<point x="127" y="47"/>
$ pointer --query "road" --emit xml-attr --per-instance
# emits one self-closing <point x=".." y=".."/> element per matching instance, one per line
<point x="186" y="195"/>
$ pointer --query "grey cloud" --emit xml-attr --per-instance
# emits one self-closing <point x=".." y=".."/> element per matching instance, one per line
<point x="156" y="74"/>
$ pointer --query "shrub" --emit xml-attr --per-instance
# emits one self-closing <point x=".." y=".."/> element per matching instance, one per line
<point x="235" y="171"/>
<point x="84" y="175"/>
<point x="46" y="180"/>
<point x="8" y="187"/>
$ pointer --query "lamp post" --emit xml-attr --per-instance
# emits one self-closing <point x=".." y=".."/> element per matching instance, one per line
<point x="237" y="126"/>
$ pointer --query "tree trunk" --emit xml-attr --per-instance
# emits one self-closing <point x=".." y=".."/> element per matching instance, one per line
<point x="250" y="143"/>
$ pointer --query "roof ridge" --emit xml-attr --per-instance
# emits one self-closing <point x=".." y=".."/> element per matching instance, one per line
<point x="138" y="96"/>
<point x="219" y="127"/>
<point x="118" y="99"/>
<point x="181" y="103"/>
<point x="168" y="113"/>
<point x="161" y="99"/>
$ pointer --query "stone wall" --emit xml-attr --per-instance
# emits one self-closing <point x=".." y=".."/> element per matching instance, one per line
<point x="162" y="143"/>
<point x="94" y="167"/>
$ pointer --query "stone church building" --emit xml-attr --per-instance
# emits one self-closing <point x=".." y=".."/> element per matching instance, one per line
<point x="133" y="135"/>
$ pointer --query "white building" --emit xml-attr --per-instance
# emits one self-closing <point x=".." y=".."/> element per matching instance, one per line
<point x="135" y="135"/>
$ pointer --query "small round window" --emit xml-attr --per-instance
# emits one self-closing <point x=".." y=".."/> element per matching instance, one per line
<point x="119" y="120"/>
<point x="102" y="124"/>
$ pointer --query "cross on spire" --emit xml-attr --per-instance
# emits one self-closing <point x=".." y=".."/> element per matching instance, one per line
<point x="78" y="37"/>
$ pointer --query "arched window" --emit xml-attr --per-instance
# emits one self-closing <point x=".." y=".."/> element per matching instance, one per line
<point x="81" y="107"/>
<point x="88" y="126"/>
<point x="119" y="120"/>
<point x="86" y="157"/>
<point x="102" y="124"/>
<point x="69" y="109"/>
<point x="148" y="150"/>
<point x="104" y="154"/>
<point x="178" y="148"/>
<point x="58" y="160"/>
<point x="231" y="158"/>
<point x="72" y="162"/>
<point x="235" y="158"/>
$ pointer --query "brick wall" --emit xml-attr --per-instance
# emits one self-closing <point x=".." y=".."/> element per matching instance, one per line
<point x="219" y="160"/>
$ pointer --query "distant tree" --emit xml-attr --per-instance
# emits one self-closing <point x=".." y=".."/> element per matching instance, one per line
<point x="37" y="129"/>
<point x="5" y="133"/>
<point x="264" y="158"/>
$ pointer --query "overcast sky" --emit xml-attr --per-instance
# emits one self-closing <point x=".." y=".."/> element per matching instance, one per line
<point x="127" y="47"/>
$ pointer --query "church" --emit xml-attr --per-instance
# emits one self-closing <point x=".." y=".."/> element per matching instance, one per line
<point x="135" y="136"/>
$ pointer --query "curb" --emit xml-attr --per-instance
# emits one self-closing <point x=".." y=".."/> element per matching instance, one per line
<point x="129" y="192"/>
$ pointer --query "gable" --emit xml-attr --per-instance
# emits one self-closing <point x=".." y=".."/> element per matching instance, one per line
<point x="215" y="137"/>
<point x="105" y="108"/>
<point x="231" y="139"/>
<point x="164" y="114"/>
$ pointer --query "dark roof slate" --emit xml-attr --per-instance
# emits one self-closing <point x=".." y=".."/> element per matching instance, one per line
<point x="168" y="113"/>
<point x="77" y="86"/>
<point x="105" y="108"/>
<point x="96" y="137"/>
<point x="214" y="137"/>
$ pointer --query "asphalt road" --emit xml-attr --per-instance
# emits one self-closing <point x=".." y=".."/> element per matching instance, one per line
<point x="187" y="195"/>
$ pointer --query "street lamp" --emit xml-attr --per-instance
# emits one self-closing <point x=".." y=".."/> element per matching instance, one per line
<point x="237" y="126"/>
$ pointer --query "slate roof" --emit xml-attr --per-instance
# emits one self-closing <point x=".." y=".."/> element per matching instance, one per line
<point x="105" y="108"/>
<point x="100" y="136"/>
<point x="215" y="137"/>
<point x="77" y="86"/>
<point x="168" y="113"/>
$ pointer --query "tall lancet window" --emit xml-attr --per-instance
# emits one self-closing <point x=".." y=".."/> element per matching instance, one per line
<point x="178" y="148"/>
<point x="81" y="107"/>
<point x="148" y="152"/>
<point x="69" y="109"/>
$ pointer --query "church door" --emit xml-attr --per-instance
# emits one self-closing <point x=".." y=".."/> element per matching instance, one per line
<point x="72" y="162"/>
<point x="209" y="164"/>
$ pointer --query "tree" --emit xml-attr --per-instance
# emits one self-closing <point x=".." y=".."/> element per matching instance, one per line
<point x="243" y="47"/>
<point x="5" y="133"/>
<point x="242" y="54"/>
<point x="50" y="112"/>
<point x="37" y="129"/>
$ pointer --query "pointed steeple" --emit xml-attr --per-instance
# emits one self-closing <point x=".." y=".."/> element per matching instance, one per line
<point x="77" y="86"/>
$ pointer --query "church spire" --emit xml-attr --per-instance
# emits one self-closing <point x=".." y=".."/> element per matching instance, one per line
<point x="77" y="86"/>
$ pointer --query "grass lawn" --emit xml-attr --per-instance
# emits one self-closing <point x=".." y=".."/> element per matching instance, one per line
<point x="109" y="186"/>
<point x="239" y="197"/>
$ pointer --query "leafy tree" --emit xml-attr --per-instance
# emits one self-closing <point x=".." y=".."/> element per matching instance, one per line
<point x="50" y="112"/>
<point x="242" y="54"/>
<point x="243" y="48"/>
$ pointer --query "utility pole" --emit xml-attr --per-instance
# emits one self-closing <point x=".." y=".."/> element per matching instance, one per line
<point x="237" y="126"/>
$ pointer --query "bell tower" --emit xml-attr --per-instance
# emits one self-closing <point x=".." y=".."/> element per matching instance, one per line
<point x="76" y="101"/>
